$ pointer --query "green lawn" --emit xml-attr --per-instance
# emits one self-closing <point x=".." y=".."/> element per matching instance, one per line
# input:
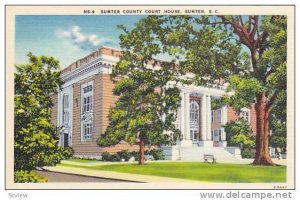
<point x="218" y="173"/>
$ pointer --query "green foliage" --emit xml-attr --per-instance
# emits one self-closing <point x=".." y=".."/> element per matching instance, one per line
<point x="278" y="140"/>
<point x="126" y="155"/>
<point x="67" y="152"/>
<point x="278" y="123"/>
<point x="35" y="138"/>
<point x="251" y="63"/>
<point x="148" y="102"/>
<point x="136" y="154"/>
<point x="106" y="156"/>
<point x="247" y="153"/>
<point x="112" y="157"/>
<point x="239" y="133"/>
<point x="157" y="154"/>
<point x="245" y="91"/>
<point x="268" y="74"/>
<point x="22" y="176"/>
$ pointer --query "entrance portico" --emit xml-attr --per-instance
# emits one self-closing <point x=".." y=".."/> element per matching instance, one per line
<point x="195" y="118"/>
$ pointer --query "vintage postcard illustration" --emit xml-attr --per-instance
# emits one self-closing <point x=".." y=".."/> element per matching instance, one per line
<point x="150" y="97"/>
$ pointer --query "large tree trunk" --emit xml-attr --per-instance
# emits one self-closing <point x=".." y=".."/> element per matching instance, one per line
<point x="262" y="156"/>
<point x="142" y="149"/>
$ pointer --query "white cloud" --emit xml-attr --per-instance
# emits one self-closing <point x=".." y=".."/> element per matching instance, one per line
<point x="81" y="40"/>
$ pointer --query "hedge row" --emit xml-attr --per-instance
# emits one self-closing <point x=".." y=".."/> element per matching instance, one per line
<point x="126" y="155"/>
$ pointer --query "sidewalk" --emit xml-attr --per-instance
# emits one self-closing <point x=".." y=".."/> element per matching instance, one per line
<point x="115" y="175"/>
<point x="126" y="181"/>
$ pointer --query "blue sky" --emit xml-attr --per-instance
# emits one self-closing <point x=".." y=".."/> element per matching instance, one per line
<point x="67" y="38"/>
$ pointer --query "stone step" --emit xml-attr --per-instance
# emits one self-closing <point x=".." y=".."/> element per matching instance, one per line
<point x="197" y="153"/>
<point x="190" y="153"/>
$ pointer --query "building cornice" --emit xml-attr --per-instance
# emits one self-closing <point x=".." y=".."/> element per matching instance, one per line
<point x="97" y="64"/>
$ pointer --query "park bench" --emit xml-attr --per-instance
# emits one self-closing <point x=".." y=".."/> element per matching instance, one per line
<point x="209" y="158"/>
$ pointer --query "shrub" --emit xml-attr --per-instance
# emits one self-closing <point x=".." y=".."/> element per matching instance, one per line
<point x="239" y="133"/>
<point x="106" y="156"/>
<point x="157" y="154"/>
<point x="247" y="153"/>
<point x="67" y="152"/>
<point x="125" y="154"/>
<point x="22" y="176"/>
<point x="136" y="155"/>
<point x="115" y="158"/>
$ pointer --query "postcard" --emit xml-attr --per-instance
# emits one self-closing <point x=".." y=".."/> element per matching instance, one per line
<point x="150" y="97"/>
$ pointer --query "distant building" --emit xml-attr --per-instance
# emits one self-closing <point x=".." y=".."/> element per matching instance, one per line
<point x="81" y="110"/>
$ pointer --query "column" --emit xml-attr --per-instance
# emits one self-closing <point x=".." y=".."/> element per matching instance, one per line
<point x="208" y="115"/>
<point x="203" y="117"/>
<point x="224" y="120"/>
<point x="187" y="115"/>
<point x="182" y="118"/>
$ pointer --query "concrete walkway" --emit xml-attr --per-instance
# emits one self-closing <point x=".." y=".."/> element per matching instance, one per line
<point x="116" y="175"/>
<point x="56" y="177"/>
<point x="121" y="180"/>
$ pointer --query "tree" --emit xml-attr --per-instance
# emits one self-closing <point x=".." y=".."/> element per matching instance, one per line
<point x="266" y="39"/>
<point x="239" y="133"/>
<point x="245" y="53"/>
<point x="35" y="138"/>
<point x="146" y="109"/>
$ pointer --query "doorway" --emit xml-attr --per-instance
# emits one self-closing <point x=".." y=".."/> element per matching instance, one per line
<point x="216" y="135"/>
<point x="66" y="140"/>
<point x="195" y="135"/>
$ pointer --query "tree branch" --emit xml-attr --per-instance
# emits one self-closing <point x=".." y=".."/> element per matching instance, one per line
<point x="249" y="20"/>
<point x="261" y="39"/>
<point x="241" y="31"/>
<point x="241" y="20"/>
<point x="269" y="73"/>
<point x="255" y="26"/>
<point x="271" y="101"/>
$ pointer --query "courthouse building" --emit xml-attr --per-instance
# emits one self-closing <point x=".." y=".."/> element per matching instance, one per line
<point x="81" y="111"/>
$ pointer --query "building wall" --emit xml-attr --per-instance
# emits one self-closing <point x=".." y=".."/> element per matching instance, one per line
<point x="216" y="124"/>
<point x="103" y="101"/>
<point x="85" y="147"/>
<point x="108" y="100"/>
<point x="232" y="116"/>
<point x="54" y="109"/>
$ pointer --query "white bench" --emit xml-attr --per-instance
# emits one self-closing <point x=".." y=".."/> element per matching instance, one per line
<point x="208" y="157"/>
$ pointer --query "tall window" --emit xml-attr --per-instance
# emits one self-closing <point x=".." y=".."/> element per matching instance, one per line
<point x="66" y="109"/>
<point x="219" y="111"/>
<point x="87" y="112"/>
<point x="216" y="116"/>
<point x="245" y="113"/>
<point x="194" y="112"/>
